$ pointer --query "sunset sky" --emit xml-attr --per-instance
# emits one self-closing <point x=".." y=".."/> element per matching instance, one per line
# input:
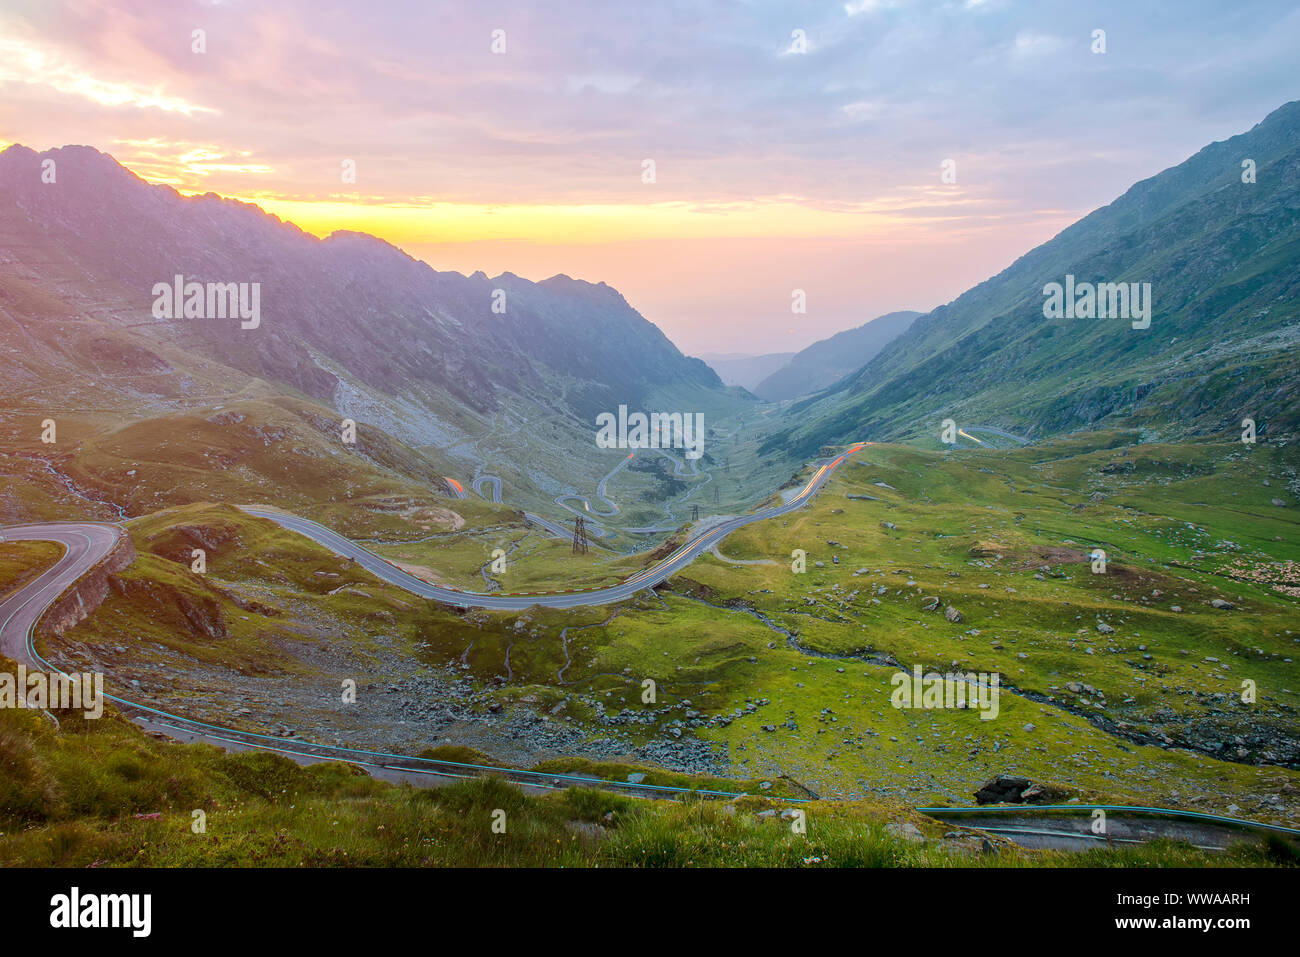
<point x="775" y="169"/>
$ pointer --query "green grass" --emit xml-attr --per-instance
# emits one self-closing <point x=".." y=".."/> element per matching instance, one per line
<point x="1019" y="510"/>
<point x="20" y="562"/>
<point x="1038" y="630"/>
<point x="535" y="560"/>
<point x="273" y="604"/>
<point x="102" y="793"/>
<point x="973" y="528"/>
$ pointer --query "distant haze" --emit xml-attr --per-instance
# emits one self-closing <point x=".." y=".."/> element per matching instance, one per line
<point x="745" y="371"/>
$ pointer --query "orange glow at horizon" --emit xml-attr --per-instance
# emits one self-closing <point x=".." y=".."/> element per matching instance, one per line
<point x="406" y="224"/>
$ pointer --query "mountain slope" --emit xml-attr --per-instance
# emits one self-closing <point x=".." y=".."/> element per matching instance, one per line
<point x="348" y="322"/>
<point x="824" y="363"/>
<point x="1221" y="256"/>
<point x="746" y="371"/>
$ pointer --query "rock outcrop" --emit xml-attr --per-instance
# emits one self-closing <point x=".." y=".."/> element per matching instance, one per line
<point x="79" y="600"/>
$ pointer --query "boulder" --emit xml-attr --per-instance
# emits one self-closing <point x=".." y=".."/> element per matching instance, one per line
<point x="1003" y="789"/>
<point x="906" y="830"/>
<point x="1012" y="789"/>
<point x="1043" y="794"/>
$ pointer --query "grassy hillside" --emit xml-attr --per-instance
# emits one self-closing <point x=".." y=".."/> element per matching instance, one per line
<point x="1126" y="684"/>
<point x="101" y="793"/>
<point x="764" y="677"/>
<point x="1003" y="537"/>
<point x="22" y="561"/>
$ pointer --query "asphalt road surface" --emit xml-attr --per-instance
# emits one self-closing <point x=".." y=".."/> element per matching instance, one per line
<point x="507" y="601"/>
<point x="492" y="480"/>
<point x="1075" y="827"/>
<point x="988" y="428"/>
<point x="562" y="531"/>
<point x="85" y="544"/>
<point x="88" y="543"/>
<point x="561" y="500"/>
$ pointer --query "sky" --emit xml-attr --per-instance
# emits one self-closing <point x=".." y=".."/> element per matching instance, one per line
<point x="795" y="146"/>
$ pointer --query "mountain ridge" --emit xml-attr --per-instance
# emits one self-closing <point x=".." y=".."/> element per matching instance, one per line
<point x="825" y="362"/>
<point x="79" y="224"/>
<point x="348" y="321"/>
<point x="1221" y="256"/>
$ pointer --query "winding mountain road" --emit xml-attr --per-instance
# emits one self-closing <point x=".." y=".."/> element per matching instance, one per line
<point x="682" y="556"/>
<point x="994" y="431"/>
<point x="85" y="545"/>
<point x="561" y="500"/>
<point x="562" y="531"/>
<point x="670" y="525"/>
<point x="492" y="480"/>
<point x="1070" y="827"/>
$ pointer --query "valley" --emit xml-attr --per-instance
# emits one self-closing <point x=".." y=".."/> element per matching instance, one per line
<point x="1120" y="688"/>
<point x="334" y="552"/>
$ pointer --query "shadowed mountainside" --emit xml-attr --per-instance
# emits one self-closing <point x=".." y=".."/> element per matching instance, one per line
<point x="824" y="363"/>
<point x="348" y="307"/>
